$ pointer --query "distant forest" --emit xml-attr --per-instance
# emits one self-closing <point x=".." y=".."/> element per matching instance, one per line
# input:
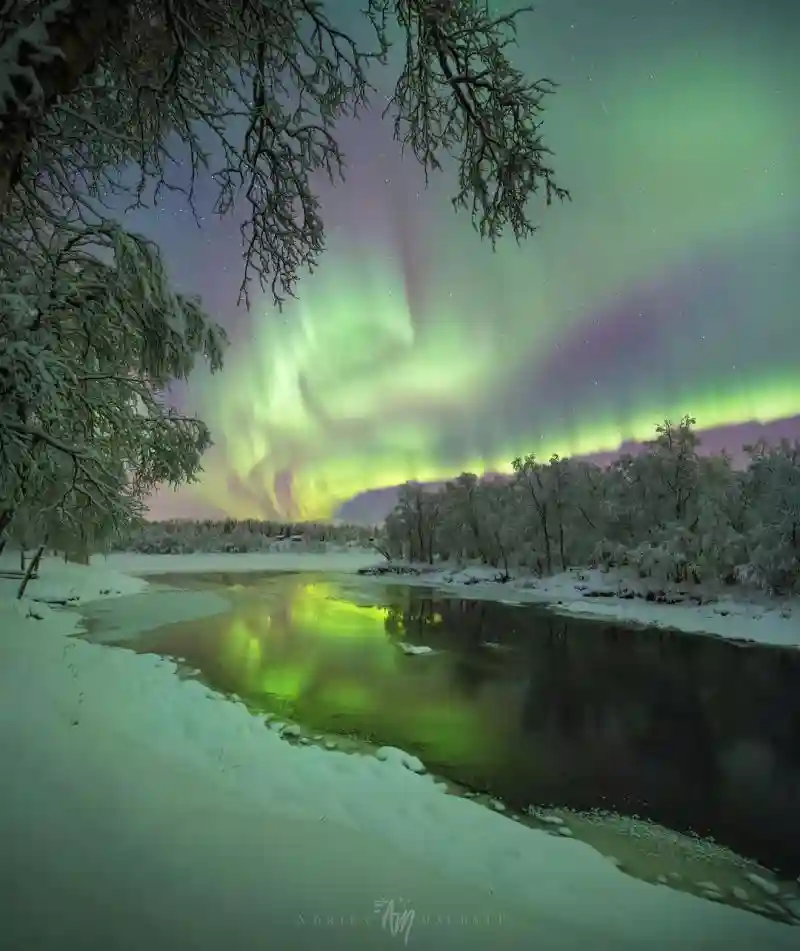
<point x="667" y="512"/>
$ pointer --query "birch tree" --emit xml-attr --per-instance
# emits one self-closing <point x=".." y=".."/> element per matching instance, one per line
<point x="532" y="478"/>
<point x="675" y="451"/>
<point x="773" y="496"/>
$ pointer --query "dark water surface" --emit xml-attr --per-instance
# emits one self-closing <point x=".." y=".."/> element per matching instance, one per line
<point x="692" y="732"/>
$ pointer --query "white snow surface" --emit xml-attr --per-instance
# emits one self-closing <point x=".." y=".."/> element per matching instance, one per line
<point x="139" y="810"/>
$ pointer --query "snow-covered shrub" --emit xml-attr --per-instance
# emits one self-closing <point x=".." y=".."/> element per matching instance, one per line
<point x="660" y="561"/>
<point x="91" y="335"/>
<point x="681" y="553"/>
<point x="774" y="568"/>
<point x="773" y="494"/>
<point x="718" y="553"/>
<point x="607" y="554"/>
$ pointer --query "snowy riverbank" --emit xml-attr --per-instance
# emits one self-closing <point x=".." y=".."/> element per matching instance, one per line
<point x="138" y="809"/>
<point x="612" y="595"/>
<point x="617" y="596"/>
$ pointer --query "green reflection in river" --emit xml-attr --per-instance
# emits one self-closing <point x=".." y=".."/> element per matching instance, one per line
<point x="556" y="710"/>
<point x="298" y="647"/>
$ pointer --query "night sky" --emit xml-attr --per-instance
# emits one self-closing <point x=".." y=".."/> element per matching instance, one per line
<point x="669" y="285"/>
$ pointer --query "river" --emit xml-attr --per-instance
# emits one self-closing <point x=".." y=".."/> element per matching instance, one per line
<point x="694" y="733"/>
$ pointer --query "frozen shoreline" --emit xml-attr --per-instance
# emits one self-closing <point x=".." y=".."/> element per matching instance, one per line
<point x="588" y="593"/>
<point x="617" y="596"/>
<point x="130" y="790"/>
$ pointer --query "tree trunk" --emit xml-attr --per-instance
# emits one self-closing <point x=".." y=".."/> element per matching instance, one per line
<point x="6" y="518"/>
<point x="79" y="30"/>
<point x="32" y="569"/>
<point x="77" y="550"/>
<point x="548" y="548"/>
<point x="503" y="555"/>
<point x="476" y="534"/>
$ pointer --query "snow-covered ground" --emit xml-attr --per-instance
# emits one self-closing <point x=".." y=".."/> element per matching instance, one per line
<point x="141" y="810"/>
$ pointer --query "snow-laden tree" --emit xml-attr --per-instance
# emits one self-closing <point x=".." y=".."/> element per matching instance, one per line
<point x="719" y="539"/>
<point x="393" y="538"/>
<point x="463" y="518"/>
<point x="248" y="95"/>
<point x="559" y="505"/>
<point x="538" y="505"/>
<point x="458" y="528"/>
<point x="411" y="529"/>
<point x="666" y="512"/>
<point x="674" y="453"/>
<point x="583" y="509"/>
<point x="91" y="337"/>
<point x="626" y="507"/>
<point x="651" y="505"/>
<point x="773" y="497"/>
<point x="498" y="507"/>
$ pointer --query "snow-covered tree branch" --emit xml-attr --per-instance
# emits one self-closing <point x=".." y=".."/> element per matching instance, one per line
<point x="249" y="95"/>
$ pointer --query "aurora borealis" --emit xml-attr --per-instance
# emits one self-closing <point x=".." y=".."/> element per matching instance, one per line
<point x="669" y="284"/>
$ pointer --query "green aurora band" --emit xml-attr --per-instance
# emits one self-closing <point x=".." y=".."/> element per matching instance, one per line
<point x="398" y="364"/>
